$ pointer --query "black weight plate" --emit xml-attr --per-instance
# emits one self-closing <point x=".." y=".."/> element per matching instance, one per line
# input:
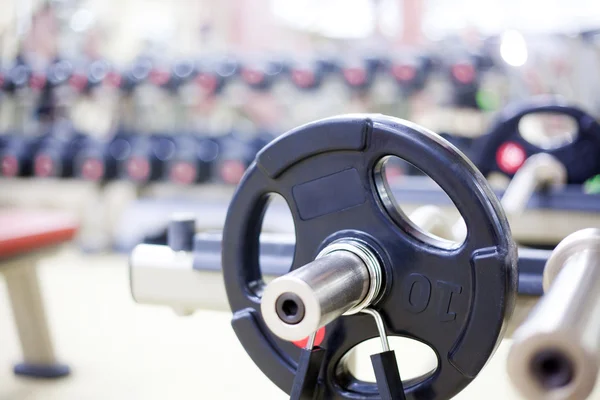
<point x="456" y="300"/>
<point x="580" y="157"/>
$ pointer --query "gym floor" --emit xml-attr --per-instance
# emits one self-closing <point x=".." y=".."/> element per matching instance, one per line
<point x="121" y="350"/>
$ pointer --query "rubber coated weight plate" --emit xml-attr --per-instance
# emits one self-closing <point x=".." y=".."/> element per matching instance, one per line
<point x="580" y="157"/>
<point x="456" y="300"/>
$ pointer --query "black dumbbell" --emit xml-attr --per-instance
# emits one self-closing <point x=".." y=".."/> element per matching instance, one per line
<point x="236" y="153"/>
<point x="55" y="154"/>
<point x="410" y="72"/>
<point x="360" y="74"/>
<point x="91" y="163"/>
<point x="262" y="74"/>
<point x="214" y="73"/>
<point x="22" y="75"/>
<point x="193" y="160"/>
<point x="87" y="76"/>
<point x="54" y="98"/>
<point x="59" y="73"/>
<point x="172" y="77"/>
<point x="182" y="72"/>
<point x="133" y="76"/>
<point x="310" y="74"/>
<point x="16" y="155"/>
<point x="17" y="76"/>
<point x="147" y="158"/>
<point x="98" y="160"/>
<point x="465" y="71"/>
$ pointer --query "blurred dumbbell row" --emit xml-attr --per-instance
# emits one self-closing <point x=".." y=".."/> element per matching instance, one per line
<point x="57" y="148"/>
<point x="181" y="159"/>
<point x="409" y="71"/>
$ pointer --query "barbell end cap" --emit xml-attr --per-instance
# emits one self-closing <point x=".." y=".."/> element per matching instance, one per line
<point x="550" y="365"/>
<point x="555" y="351"/>
<point x="306" y="301"/>
<point x="584" y="239"/>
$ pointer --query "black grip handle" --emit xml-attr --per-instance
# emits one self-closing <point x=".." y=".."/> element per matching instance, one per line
<point x="307" y="376"/>
<point x="387" y="376"/>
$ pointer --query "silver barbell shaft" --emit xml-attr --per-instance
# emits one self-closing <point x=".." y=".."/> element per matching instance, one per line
<point x="539" y="171"/>
<point x="343" y="279"/>
<point x="161" y="276"/>
<point x="432" y="219"/>
<point x="556" y="351"/>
